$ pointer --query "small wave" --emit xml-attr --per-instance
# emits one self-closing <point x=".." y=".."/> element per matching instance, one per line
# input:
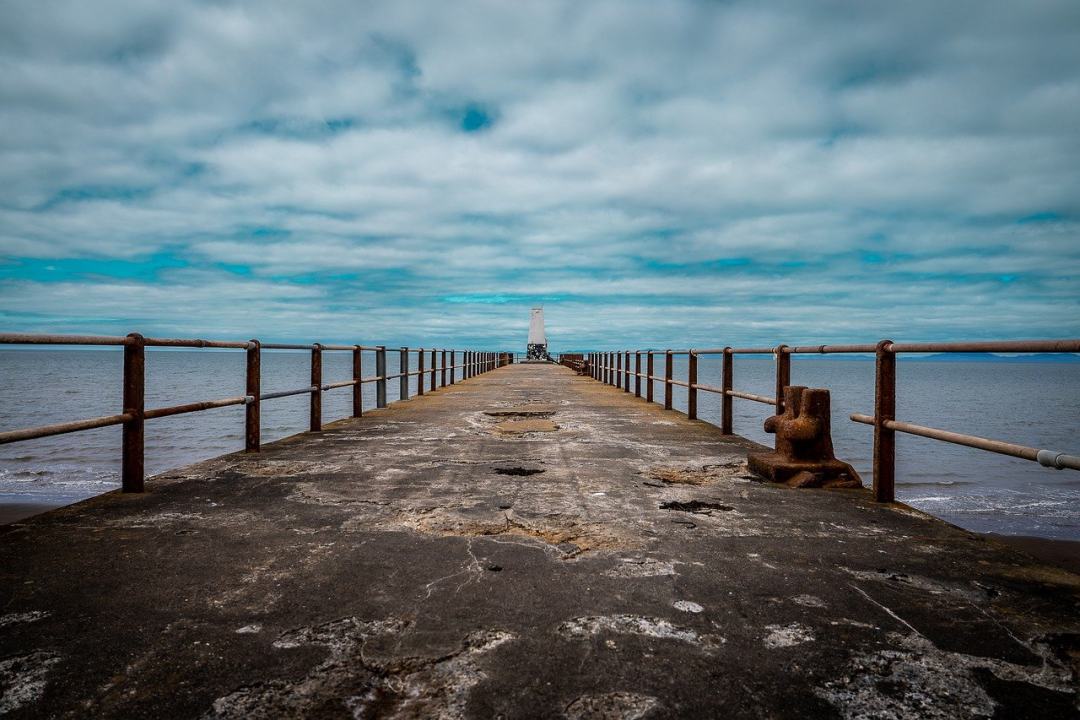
<point x="935" y="483"/>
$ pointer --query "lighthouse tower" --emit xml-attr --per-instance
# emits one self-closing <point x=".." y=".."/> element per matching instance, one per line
<point x="537" y="348"/>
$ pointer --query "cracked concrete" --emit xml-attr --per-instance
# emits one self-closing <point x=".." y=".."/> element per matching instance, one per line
<point x="414" y="563"/>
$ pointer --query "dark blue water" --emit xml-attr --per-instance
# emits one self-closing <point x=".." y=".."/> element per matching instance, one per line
<point x="1029" y="403"/>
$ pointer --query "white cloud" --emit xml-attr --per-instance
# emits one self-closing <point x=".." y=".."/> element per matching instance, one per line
<point x="870" y="160"/>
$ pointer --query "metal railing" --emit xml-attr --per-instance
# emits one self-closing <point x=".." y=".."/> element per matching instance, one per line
<point x="613" y="368"/>
<point x="134" y="413"/>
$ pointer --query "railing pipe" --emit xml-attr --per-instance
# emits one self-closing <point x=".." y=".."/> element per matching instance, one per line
<point x="194" y="407"/>
<point x="41" y="431"/>
<point x="420" y="371"/>
<point x="637" y="374"/>
<point x="669" y="366"/>
<point x="649" y="376"/>
<point x="727" y="371"/>
<point x="315" y="423"/>
<point x="380" y="373"/>
<point x="691" y="388"/>
<point x="132" y="466"/>
<point x="783" y="375"/>
<point x="253" y="388"/>
<point x="30" y="339"/>
<point x="884" y="463"/>
<point x="287" y="393"/>
<point x="1046" y="458"/>
<point x="358" y="383"/>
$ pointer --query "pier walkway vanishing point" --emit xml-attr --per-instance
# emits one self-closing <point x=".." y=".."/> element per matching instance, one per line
<point x="524" y="543"/>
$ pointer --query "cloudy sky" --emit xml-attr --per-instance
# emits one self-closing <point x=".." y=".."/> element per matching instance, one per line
<point x="652" y="173"/>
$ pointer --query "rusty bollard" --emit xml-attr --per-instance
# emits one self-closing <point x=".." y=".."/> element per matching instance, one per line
<point x="804" y="450"/>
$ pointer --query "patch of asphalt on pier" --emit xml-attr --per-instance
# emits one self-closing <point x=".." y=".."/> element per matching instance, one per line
<point x="618" y="563"/>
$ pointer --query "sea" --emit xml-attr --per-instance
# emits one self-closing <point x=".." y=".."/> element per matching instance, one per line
<point x="1031" y="403"/>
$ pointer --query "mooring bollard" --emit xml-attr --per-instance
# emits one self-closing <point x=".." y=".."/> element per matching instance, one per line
<point x="252" y="433"/>
<point x="691" y="385"/>
<point x="403" y="372"/>
<point x="131" y="463"/>
<point x="358" y="387"/>
<point x="884" y="409"/>
<point x="380" y="373"/>
<point x="315" y="423"/>
<point x="668" y="370"/>
<point x="804" y="454"/>
<point x="726" y="401"/>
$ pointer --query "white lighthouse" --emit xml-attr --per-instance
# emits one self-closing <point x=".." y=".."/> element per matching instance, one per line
<point x="537" y="347"/>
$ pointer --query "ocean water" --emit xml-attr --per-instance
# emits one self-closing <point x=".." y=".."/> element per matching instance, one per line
<point x="1029" y="403"/>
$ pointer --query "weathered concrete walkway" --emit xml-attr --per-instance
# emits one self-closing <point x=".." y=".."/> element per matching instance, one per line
<point x="423" y="561"/>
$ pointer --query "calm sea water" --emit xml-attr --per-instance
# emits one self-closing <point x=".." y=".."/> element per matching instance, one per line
<point x="1028" y="403"/>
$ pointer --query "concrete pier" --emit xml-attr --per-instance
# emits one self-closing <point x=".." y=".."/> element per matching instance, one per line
<point x="527" y="543"/>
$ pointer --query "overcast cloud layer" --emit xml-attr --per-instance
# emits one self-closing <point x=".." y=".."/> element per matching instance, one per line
<point x="653" y="173"/>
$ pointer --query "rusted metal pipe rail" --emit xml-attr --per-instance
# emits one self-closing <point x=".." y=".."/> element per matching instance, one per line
<point x="1047" y="458"/>
<point x="28" y="339"/>
<point x="135" y="414"/>
<point x="41" y="431"/>
<point x="194" y="407"/>
<point x="613" y="368"/>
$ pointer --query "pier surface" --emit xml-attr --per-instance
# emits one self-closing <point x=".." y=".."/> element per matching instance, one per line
<point x="527" y="543"/>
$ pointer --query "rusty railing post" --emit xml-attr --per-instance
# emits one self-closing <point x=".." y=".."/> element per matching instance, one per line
<point x="316" y="387"/>
<point x="668" y="369"/>
<point x="358" y="387"/>
<point x="884" y="409"/>
<point x="420" y="371"/>
<point x="618" y="370"/>
<point x="637" y="374"/>
<point x="453" y="370"/>
<point x="380" y="372"/>
<point x="783" y="375"/>
<point x="252" y="434"/>
<point x="649" y="369"/>
<point x="432" y="370"/>
<point x="403" y="372"/>
<point x="726" y="377"/>
<point x="626" y="375"/>
<point x="442" y="370"/>
<point x="691" y="385"/>
<point x="610" y="363"/>
<point x="132" y="460"/>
